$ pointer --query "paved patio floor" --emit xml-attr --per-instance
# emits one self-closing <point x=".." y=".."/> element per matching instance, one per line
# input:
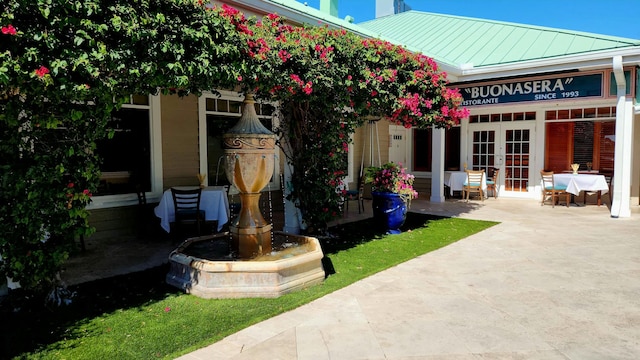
<point x="547" y="283"/>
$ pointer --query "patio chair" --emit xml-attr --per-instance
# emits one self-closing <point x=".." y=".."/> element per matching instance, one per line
<point x="473" y="184"/>
<point x="492" y="184"/>
<point x="187" y="207"/>
<point x="357" y="195"/>
<point x="552" y="190"/>
<point x="144" y="215"/>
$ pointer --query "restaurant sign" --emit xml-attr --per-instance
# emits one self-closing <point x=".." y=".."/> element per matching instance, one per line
<point x="552" y="88"/>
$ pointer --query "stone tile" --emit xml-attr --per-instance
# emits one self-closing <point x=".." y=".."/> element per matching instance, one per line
<point x="280" y="347"/>
<point x="524" y="355"/>
<point x="411" y="337"/>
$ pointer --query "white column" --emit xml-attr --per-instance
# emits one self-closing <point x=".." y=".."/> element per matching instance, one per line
<point x="621" y="206"/>
<point x="437" y="166"/>
<point x="292" y="216"/>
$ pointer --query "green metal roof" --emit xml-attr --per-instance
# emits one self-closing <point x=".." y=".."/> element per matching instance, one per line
<point x="461" y="40"/>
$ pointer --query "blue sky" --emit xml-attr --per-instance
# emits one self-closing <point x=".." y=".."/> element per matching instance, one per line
<point x="600" y="17"/>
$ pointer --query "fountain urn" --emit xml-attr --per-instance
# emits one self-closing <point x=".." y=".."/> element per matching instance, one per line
<point x="249" y="162"/>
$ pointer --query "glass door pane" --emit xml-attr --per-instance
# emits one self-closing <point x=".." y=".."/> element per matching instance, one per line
<point x="517" y="153"/>
<point x="483" y="149"/>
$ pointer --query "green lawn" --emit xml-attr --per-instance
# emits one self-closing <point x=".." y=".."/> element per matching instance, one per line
<point x="138" y="316"/>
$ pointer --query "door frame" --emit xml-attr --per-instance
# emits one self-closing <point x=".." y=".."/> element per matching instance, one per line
<point x="500" y="129"/>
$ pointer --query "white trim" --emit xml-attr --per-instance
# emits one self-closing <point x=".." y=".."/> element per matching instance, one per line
<point x="620" y="206"/>
<point x="350" y="165"/>
<point x="589" y="61"/>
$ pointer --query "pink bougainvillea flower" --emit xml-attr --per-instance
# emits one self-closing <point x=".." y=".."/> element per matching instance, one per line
<point x="167" y="309"/>
<point x="70" y="185"/>
<point x="284" y="55"/>
<point x="307" y="88"/>
<point x="9" y="30"/>
<point x="239" y="77"/>
<point x="41" y="72"/>
<point x="297" y="79"/>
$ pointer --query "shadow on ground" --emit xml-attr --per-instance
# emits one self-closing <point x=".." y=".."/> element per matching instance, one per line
<point x="28" y="325"/>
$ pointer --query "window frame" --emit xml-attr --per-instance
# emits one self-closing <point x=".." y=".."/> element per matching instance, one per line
<point x="202" y="131"/>
<point x="155" y="138"/>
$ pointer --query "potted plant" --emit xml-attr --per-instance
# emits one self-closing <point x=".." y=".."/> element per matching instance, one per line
<point x="392" y="191"/>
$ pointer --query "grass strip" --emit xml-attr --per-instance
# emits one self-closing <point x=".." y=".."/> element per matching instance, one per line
<point x="139" y="317"/>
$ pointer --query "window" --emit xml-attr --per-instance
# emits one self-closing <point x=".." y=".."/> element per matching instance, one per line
<point x="220" y="115"/>
<point x="588" y="138"/>
<point x="422" y="139"/>
<point x="126" y="157"/>
<point x="506" y="117"/>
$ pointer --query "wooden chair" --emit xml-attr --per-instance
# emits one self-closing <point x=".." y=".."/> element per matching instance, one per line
<point x="144" y="214"/>
<point x="492" y="184"/>
<point x="550" y="189"/>
<point x="473" y="184"/>
<point x="187" y="207"/>
<point x="356" y="195"/>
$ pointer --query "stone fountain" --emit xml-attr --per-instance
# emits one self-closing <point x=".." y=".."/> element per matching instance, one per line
<point x="253" y="268"/>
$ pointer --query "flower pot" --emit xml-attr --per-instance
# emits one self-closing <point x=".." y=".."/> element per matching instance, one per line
<point x="389" y="211"/>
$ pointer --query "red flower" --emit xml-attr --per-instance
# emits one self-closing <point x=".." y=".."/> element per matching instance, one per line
<point x="70" y="185"/>
<point x="42" y="71"/>
<point x="9" y="30"/>
<point x="307" y="88"/>
<point x="239" y="77"/>
<point x="284" y="55"/>
<point x="297" y="79"/>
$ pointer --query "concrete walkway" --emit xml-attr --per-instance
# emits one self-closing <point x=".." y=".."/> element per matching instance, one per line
<point x="547" y="283"/>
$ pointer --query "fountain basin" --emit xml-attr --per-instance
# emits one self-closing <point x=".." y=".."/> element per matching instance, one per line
<point x="296" y="265"/>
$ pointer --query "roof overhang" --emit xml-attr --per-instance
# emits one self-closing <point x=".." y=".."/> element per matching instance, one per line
<point x="590" y="61"/>
<point x="297" y="13"/>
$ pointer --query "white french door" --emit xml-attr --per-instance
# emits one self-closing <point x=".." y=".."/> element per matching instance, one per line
<point x="508" y="146"/>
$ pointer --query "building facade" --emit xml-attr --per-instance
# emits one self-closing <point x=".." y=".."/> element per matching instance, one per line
<point x="539" y="98"/>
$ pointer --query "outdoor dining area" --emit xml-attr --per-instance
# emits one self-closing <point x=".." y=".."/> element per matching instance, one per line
<point x="568" y="185"/>
<point x="563" y="187"/>
<point x="471" y="181"/>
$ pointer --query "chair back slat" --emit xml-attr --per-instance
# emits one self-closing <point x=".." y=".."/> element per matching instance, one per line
<point x="547" y="179"/>
<point x="550" y="190"/>
<point x="186" y="199"/>
<point x="474" y="177"/>
<point x="474" y="183"/>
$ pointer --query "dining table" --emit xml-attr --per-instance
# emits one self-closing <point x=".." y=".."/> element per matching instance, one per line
<point x="576" y="183"/>
<point x="213" y="201"/>
<point x="455" y="181"/>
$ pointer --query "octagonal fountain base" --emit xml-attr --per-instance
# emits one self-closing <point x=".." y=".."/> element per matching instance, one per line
<point x="203" y="267"/>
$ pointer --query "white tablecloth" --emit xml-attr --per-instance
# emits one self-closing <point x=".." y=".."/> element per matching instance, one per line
<point x="455" y="180"/>
<point x="582" y="182"/>
<point x="213" y="201"/>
